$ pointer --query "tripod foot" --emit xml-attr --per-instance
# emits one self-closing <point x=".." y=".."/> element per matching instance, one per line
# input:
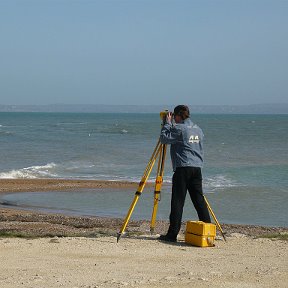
<point x="118" y="237"/>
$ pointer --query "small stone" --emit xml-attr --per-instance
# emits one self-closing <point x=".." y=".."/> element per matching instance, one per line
<point x="54" y="240"/>
<point x="202" y="279"/>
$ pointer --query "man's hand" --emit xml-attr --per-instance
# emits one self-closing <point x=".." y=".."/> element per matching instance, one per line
<point x="169" y="117"/>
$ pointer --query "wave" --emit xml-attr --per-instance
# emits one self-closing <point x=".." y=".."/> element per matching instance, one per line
<point x="5" y="133"/>
<point x="219" y="182"/>
<point x="71" y="123"/>
<point x="33" y="172"/>
<point x="70" y="170"/>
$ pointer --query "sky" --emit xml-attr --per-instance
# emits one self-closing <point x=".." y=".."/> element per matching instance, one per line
<point x="143" y="52"/>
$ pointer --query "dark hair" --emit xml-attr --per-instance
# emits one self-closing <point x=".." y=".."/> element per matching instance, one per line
<point x="182" y="111"/>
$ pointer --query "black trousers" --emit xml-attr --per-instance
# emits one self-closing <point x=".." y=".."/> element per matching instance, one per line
<point x="186" y="178"/>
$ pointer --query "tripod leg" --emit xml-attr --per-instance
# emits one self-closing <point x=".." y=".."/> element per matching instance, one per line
<point x="157" y="198"/>
<point x="141" y="186"/>
<point x="215" y="219"/>
<point x="158" y="185"/>
<point x="132" y="206"/>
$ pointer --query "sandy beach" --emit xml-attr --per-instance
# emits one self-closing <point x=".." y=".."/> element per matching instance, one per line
<point x="54" y="250"/>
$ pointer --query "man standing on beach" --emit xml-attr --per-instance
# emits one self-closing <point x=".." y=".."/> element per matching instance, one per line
<point x="186" y="150"/>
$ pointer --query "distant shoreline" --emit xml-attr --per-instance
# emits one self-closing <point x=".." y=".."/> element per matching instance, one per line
<point x="272" y="108"/>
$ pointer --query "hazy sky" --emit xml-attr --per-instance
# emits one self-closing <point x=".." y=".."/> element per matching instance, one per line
<point x="143" y="52"/>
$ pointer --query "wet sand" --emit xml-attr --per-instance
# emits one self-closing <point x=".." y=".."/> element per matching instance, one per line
<point x="18" y="185"/>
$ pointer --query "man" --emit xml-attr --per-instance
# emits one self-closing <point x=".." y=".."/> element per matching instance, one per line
<point x="186" y="150"/>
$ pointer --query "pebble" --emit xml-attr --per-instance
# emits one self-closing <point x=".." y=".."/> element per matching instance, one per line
<point x="54" y="240"/>
<point x="202" y="279"/>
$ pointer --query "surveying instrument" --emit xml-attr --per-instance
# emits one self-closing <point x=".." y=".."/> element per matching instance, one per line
<point x="160" y="154"/>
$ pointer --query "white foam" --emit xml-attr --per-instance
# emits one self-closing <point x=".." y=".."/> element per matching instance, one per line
<point x="219" y="181"/>
<point x="44" y="171"/>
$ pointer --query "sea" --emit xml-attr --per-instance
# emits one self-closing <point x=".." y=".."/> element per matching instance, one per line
<point x="245" y="174"/>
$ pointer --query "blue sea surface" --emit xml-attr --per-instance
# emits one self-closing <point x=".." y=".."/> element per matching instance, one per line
<point x="245" y="172"/>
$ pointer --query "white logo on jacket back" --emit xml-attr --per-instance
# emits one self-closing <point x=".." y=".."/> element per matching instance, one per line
<point x="194" y="139"/>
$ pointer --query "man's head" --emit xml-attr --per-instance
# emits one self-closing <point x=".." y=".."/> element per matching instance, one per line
<point x="182" y="111"/>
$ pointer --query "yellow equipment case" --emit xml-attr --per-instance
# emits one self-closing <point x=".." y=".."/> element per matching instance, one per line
<point x="200" y="234"/>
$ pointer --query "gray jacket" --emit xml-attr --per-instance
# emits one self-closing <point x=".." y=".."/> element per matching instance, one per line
<point x="186" y="141"/>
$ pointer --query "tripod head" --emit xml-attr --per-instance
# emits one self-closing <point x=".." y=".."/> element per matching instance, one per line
<point x="163" y="114"/>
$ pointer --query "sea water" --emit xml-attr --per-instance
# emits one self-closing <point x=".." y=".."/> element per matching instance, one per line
<point x="244" y="176"/>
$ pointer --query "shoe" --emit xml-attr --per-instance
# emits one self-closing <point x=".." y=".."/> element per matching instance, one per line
<point x="167" y="238"/>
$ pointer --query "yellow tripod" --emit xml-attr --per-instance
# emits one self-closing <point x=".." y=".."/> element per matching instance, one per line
<point x="160" y="153"/>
